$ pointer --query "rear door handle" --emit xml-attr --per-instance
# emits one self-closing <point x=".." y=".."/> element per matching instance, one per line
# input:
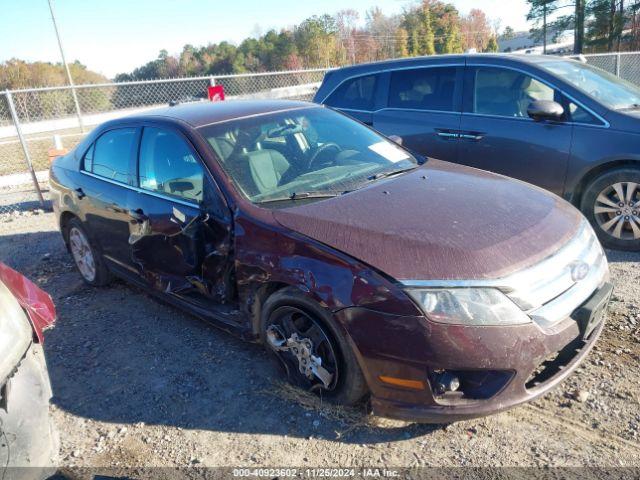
<point x="447" y="134"/>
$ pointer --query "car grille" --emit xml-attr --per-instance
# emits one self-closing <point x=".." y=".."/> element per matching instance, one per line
<point x="553" y="288"/>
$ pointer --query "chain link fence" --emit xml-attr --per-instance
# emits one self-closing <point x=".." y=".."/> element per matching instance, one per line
<point x="34" y="121"/>
<point x="625" y="65"/>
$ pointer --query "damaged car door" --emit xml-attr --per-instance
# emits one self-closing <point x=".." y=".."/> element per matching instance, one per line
<point x="180" y="234"/>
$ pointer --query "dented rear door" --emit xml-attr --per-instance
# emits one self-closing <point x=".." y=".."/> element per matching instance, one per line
<point x="180" y="235"/>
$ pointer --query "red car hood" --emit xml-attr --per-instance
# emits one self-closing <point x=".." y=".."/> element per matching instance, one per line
<point x="440" y="222"/>
<point x="37" y="303"/>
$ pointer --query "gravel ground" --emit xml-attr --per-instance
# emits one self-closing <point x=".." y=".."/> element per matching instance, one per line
<point x="139" y="383"/>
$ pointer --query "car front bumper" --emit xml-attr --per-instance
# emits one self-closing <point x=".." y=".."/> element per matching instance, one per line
<point x="526" y="360"/>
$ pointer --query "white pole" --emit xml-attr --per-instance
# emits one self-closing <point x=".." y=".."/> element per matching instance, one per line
<point x="23" y="142"/>
<point x="66" y="67"/>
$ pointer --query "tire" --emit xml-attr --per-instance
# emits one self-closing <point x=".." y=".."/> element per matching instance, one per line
<point x="348" y="385"/>
<point x="91" y="267"/>
<point x="601" y="204"/>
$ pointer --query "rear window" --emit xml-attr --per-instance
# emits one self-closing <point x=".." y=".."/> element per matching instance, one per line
<point x="423" y="89"/>
<point x="356" y="94"/>
<point x="110" y="155"/>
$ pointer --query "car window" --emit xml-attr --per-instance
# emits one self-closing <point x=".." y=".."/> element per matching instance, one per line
<point x="110" y="155"/>
<point x="423" y="89"/>
<point x="580" y="115"/>
<point x="606" y="88"/>
<point x="312" y="151"/>
<point x="507" y="93"/>
<point x="169" y="166"/>
<point x="356" y="94"/>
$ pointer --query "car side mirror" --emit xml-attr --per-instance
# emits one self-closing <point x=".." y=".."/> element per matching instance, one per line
<point x="545" y="110"/>
<point x="396" y="139"/>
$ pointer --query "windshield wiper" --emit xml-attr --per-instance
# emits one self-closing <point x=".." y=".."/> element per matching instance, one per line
<point x="392" y="173"/>
<point x="304" y="196"/>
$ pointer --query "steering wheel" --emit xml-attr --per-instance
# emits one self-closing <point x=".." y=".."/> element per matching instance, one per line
<point x="323" y="149"/>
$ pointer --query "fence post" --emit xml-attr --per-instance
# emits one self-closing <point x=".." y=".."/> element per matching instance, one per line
<point x="25" y="148"/>
<point x="618" y="58"/>
<point x="212" y="81"/>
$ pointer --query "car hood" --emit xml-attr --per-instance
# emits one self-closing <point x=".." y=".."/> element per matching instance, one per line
<point x="440" y="222"/>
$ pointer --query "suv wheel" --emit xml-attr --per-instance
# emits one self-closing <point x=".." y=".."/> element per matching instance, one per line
<point x="313" y="353"/>
<point x="611" y="202"/>
<point x="88" y="260"/>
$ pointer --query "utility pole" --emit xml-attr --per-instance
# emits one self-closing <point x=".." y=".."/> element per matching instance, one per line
<point x="66" y="67"/>
<point x="579" y="27"/>
<point x="544" y="28"/>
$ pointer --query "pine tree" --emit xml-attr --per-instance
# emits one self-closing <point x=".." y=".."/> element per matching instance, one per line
<point x="426" y="37"/>
<point x="402" y="46"/>
<point x="492" y="45"/>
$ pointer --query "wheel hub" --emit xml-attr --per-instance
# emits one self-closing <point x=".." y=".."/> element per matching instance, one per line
<point x="617" y="210"/>
<point x="82" y="254"/>
<point x="309" y="364"/>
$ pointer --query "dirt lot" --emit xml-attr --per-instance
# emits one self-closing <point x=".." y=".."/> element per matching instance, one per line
<point x="139" y="383"/>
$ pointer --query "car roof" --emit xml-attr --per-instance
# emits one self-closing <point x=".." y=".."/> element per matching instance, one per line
<point x="198" y="114"/>
<point x="441" y="59"/>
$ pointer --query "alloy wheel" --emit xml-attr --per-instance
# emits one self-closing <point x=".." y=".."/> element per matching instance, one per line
<point x="82" y="254"/>
<point x="617" y="210"/>
<point x="304" y="348"/>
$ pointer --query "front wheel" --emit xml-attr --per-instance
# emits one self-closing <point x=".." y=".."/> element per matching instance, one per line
<point x="313" y="353"/>
<point x="611" y="202"/>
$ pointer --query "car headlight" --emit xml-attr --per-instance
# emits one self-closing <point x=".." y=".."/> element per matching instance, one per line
<point x="469" y="306"/>
<point x="15" y="333"/>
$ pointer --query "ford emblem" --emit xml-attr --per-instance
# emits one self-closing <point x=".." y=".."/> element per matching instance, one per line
<point x="579" y="270"/>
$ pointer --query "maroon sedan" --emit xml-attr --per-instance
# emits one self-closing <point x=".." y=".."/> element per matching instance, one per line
<point x="438" y="291"/>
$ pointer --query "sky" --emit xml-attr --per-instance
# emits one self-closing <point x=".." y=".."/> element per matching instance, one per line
<point x="114" y="36"/>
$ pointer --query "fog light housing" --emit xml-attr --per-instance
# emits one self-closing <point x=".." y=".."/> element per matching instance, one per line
<point x="457" y="386"/>
<point x="445" y="382"/>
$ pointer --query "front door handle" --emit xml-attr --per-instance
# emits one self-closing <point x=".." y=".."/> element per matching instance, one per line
<point x="475" y="136"/>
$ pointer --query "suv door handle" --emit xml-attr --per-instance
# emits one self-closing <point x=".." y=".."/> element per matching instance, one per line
<point x="475" y="136"/>
<point x="447" y="134"/>
<point x="138" y="215"/>
<point x="80" y="193"/>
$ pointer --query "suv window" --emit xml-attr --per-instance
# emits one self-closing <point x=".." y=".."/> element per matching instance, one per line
<point x="423" y="89"/>
<point x="507" y="93"/>
<point x="580" y="115"/>
<point x="169" y="166"/>
<point x="356" y="94"/>
<point x="110" y="155"/>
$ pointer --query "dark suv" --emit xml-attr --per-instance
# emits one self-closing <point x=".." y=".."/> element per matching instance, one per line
<point x="557" y="123"/>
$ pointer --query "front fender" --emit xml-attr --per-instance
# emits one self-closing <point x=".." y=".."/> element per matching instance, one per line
<point x="270" y="255"/>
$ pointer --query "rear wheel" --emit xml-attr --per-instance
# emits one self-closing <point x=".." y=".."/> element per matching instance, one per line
<point x="87" y="258"/>
<point x="314" y="355"/>
<point x="611" y="202"/>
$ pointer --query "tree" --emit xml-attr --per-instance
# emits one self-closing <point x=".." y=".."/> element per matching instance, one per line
<point x="508" y="33"/>
<point x="475" y="30"/>
<point x="346" y="23"/>
<point x="402" y="45"/>
<point x="539" y="11"/>
<point x="426" y="39"/>
<point x="492" y="45"/>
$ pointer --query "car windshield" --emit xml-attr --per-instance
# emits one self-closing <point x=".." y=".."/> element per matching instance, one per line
<point x="303" y="153"/>
<point x="606" y="88"/>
